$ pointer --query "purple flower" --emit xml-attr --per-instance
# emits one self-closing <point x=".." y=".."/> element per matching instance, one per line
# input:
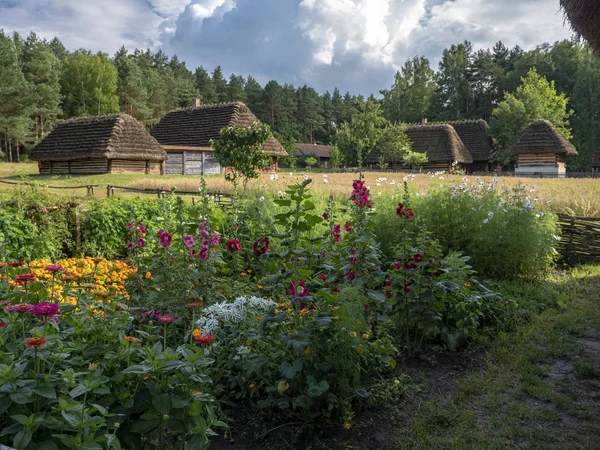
<point x="142" y="229"/>
<point x="325" y="216"/>
<point x="45" y="309"/>
<point x="53" y="268"/>
<point x="141" y="243"/>
<point x="130" y="226"/>
<point x="189" y="241"/>
<point x="215" y="240"/>
<point x="298" y="289"/>
<point x="165" y="238"/>
<point x="204" y="253"/>
<point x="347" y="227"/>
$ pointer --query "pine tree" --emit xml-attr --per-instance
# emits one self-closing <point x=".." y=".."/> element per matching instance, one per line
<point x="236" y="88"/>
<point x="220" y="84"/>
<point x="205" y="86"/>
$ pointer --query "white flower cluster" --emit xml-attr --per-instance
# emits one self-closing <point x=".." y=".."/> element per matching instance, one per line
<point x="231" y="312"/>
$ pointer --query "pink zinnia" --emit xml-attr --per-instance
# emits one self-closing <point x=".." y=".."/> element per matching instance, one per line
<point x="233" y="245"/>
<point x="189" y="241"/>
<point x="53" y="268"/>
<point x="45" y="309"/>
<point x="166" y="319"/>
<point x="21" y="307"/>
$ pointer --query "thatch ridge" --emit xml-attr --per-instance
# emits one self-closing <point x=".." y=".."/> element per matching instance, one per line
<point x="196" y="126"/>
<point x="584" y="16"/>
<point x="439" y="141"/>
<point x="114" y="136"/>
<point x="542" y="137"/>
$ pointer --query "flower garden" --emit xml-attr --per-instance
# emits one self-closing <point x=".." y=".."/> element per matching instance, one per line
<point x="296" y="307"/>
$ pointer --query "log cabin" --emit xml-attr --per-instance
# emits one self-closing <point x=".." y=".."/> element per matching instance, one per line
<point x="542" y="150"/>
<point x="321" y="152"/>
<point x="186" y="133"/>
<point x="114" y="143"/>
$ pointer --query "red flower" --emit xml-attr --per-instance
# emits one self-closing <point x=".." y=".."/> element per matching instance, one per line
<point x="418" y="258"/>
<point x="53" y="268"/>
<point x="141" y="243"/>
<point x="298" y="289"/>
<point x="388" y="294"/>
<point x="336" y="232"/>
<point x="45" y="309"/>
<point x="24" y="278"/>
<point x="166" y="319"/>
<point x="204" y="339"/>
<point x="2" y="323"/>
<point x="353" y="258"/>
<point x="16" y="263"/>
<point x="406" y="288"/>
<point x="323" y="277"/>
<point x="360" y="194"/>
<point x="398" y="264"/>
<point x="194" y="305"/>
<point x="388" y="281"/>
<point x="404" y="212"/>
<point x="261" y="246"/>
<point x="347" y="227"/>
<point x="36" y="342"/>
<point x="233" y="245"/>
<point x="325" y="216"/>
<point x="350" y="276"/>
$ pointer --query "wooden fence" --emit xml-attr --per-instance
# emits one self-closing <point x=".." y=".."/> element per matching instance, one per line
<point x="580" y="241"/>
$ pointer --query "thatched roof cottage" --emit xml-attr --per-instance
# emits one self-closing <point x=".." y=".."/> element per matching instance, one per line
<point x="441" y="144"/>
<point x="584" y="16"/>
<point x="186" y="133"/>
<point x="114" y="143"/>
<point x="321" y="152"/>
<point x="542" y="149"/>
<point x="476" y="136"/>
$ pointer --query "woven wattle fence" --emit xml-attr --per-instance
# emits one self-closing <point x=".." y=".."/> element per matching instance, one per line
<point x="580" y="240"/>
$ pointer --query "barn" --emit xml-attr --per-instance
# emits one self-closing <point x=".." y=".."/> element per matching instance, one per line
<point x="114" y="143"/>
<point x="542" y="150"/>
<point x="440" y="142"/>
<point x="186" y="133"/>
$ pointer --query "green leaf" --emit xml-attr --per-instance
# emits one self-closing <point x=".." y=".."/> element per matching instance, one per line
<point x="197" y="442"/>
<point x="138" y="369"/>
<point x="290" y="371"/>
<point x="317" y="390"/>
<point x="46" y="392"/>
<point x="78" y="390"/>
<point x="22" y="440"/>
<point x="144" y="426"/>
<point x="22" y="396"/>
<point x="162" y="403"/>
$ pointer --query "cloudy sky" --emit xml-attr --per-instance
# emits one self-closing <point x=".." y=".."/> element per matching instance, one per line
<point x="356" y="45"/>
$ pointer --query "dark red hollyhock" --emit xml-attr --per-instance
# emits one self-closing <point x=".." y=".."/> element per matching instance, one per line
<point x="406" y="288"/>
<point x="233" y="245"/>
<point x="398" y="264"/>
<point x="325" y="216"/>
<point x="410" y="264"/>
<point x="388" y="281"/>
<point x="399" y="209"/>
<point x="418" y="258"/>
<point x="261" y="246"/>
<point x="388" y="294"/>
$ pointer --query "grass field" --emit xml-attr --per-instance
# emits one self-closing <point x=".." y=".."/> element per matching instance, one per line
<point x="570" y="196"/>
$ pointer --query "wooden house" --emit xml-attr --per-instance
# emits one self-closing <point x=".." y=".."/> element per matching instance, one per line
<point x="101" y="144"/>
<point x="186" y="133"/>
<point x="542" y="150"/>
<point x="321" y="152"/>
<point x="440" y="142"/>
<point x="476" y="136"/>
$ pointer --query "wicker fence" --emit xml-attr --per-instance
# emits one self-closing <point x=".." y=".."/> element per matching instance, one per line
<point x="580" y="241"/>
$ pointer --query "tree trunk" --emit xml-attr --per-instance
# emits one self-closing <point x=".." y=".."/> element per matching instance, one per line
<point x="18" y="153"/>
<point x="10" y="158"/>
<point x="36" y="130"/>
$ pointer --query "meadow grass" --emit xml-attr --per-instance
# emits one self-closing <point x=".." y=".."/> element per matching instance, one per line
<point x="571" y="196"/>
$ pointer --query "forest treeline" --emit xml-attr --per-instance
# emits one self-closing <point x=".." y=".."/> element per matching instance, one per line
<point x="41" y="82"/>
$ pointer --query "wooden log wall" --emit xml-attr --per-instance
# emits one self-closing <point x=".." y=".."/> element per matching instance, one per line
<point x="536" y="160"/>
<point x="580" y="240"/>
<point x="128" y="166"/>
<point x="89" y="166"/>
<point x="174" y="164"/>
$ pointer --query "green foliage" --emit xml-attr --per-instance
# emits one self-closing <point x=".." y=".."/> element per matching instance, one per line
<point x="359" y="137"/>
<point x="310" y="161"/>
<point x="394" y="144"/>
<point x="414" y="159"/>
<point x="239" y="149"/>
<point x="535" y="99"/>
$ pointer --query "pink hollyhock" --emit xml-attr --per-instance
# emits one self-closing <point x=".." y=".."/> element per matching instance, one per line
<point x="298" y="289"/>
<point x="325" y="216"/>
<point x="129" y="245"/>
<point x="261" y="246"/>
<point x="165" y="238"/>
<point x="360" y="194"/>
<point x="350" y="276"/>
<point x="192" y="254"/>
<point x="336" y="232"/>
<point x="189" y="241"/>
<point x="141" y="243"/>
<point x="388" y="281"/>
<point x="353" y="258"/>
<point x="45" y="309"/>
<point x="215" y="240"/>
<point x="142" y="229"/>
<point x="323" y="277"/>
<point x="418" y="258"/>
<point x="203" y="253"/>
<point x="233" y="245"/>
<point x="130" y="226"/>
<point x="347" y="227"/>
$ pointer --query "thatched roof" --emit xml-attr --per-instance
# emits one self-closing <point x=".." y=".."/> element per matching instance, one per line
<point x="542" y="137"/>
<point x="475" y="134"/>
<point x="116" y="136"/>
<point x="320" y="151"/>
<point x="584" y="16"/>
<point x="196" y="126"/>
<point x="439" y="141"/>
